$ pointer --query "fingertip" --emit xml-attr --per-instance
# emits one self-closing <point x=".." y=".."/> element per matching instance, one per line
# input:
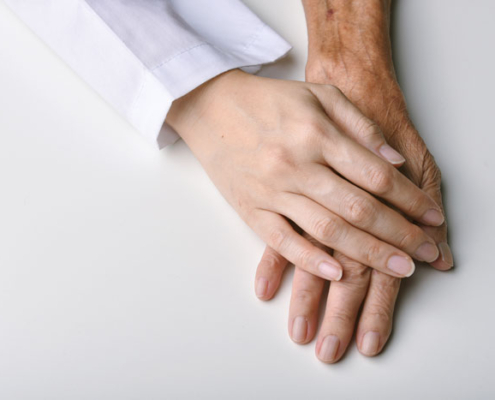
<point x="446" y="254"/>
<point x="269" y="274"/>
<point x="328" y="349"/>
<point x="445" y="260"/>
<point x="375" y="323"/>
<point x="433" y="217"/>
<point x="331" y="270"/>
<point x="391" y="155"/>
<point x="299" y="332"/>
<point x="370" y="344"/>
<point x="261" y="288"/>
<point x="428" y="251"/>
<point x="441" y="265"/>
<point x="403" y="266"/>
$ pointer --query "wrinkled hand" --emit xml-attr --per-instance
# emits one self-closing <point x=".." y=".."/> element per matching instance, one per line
<point x="376" y="93"/>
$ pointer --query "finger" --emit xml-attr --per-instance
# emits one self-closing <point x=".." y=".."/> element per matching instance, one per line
<point x="304" y="302"/>
<point x="334" y="232"/>
<point x="363" y="168"/>
<point x="269" y="274"/>
<point x="352" y="121"/>
<point x="277" y="233"/>
<point x="445" y="260"/>
<point x="431" y="185"/>
<point x="375" y="323"/>
<point x="378" y="177"/>
<point x="365" y="212"/>
<point x="344" y="300"/>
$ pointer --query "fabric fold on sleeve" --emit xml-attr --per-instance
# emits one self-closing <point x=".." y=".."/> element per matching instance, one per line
<point x="141" y="55"/>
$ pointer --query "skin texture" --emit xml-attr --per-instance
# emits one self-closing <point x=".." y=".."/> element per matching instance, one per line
<point x="279" y="150"/>
<point x="349" y="47"/>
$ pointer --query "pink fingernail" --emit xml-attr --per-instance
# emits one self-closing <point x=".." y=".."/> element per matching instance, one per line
<point x="391" y="155"/>
<point x="261" y="287"/>
<point x="370" y="344"/>
<point x="427" y="252"/>
<point x="401" y="265"/>
<point x="433" y="217"/>
<point x="299" y="329"/>
<point x="330" y="271"/>
<point x="329" y="348"/>
<point x="446" y="254"/>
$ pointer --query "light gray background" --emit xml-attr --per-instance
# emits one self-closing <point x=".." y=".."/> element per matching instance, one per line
<point x="125" y="275"/>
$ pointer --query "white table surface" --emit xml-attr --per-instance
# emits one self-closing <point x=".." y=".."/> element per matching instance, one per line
<point x="125" y="275"/>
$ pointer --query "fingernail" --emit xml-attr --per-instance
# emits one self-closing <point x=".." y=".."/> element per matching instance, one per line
<point x="401" y="265"/>
<point x="261" y="287"/>
<point x="433" y="217"/>
<point x="427" y="252"/>
<point x="370" y="343"/>
<point x="391" y="155"/>
<point x="329" y="348"/>
<point x="332" y="272"/>
<point x="299" y="329"/>
<point x="446" y="253"/>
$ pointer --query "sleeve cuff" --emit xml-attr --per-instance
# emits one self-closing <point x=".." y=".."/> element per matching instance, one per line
<point x="152" y="105"/>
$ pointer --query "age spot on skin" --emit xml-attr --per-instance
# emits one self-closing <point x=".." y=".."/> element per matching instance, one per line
<point x="330" y="13"/>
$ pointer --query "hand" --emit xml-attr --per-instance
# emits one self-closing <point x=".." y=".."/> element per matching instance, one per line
<point x="361" y="66"/>
<point x="360" y="285"/>
<point x="275" y="150"/>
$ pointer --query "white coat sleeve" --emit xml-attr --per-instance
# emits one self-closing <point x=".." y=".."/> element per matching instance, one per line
<point x="141" y="55"/>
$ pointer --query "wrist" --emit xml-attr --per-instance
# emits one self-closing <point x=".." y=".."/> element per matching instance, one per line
<point x="187" y="110"/>
<point x="349" y="35"/>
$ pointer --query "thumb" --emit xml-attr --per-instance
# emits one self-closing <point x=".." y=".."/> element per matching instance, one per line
<point x="431" y="184"/>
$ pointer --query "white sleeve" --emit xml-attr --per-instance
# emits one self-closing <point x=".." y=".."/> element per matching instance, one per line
<point x="141" y="55"/>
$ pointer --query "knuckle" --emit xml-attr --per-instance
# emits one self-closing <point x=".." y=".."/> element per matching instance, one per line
<point x="386" y="286"/>
<point x="357" y="275"/>
<point x="303" y="259"/>
<point x="276" y="160"/>
<point x="277" y="238"/>
<point x="303" y="296"/>
<point x="432" y="178"/>
<point x="359" y="210"/>
<point x="437" y="174"/>
<point x="410" y="238"/>
<point x="381" y="314"/>
<point x="315" y="125"/>
<point x="270" y="263"/>
<point x="430" y="168"/>
<point x="380" y="178"/>
<point x="313" y="132"/>
<point x="417" y="204"/>
<point x="369" y="130"/>
<point x="373" y="253"/>
<point x="327" y="229"/>
<point x="342" y="316"/>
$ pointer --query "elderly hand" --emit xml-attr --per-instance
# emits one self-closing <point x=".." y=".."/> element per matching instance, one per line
<point x="277" y="149"/>
<point x="360" y="64"/>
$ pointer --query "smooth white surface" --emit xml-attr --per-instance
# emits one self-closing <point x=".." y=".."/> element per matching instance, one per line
<point x="124" y="274"/>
